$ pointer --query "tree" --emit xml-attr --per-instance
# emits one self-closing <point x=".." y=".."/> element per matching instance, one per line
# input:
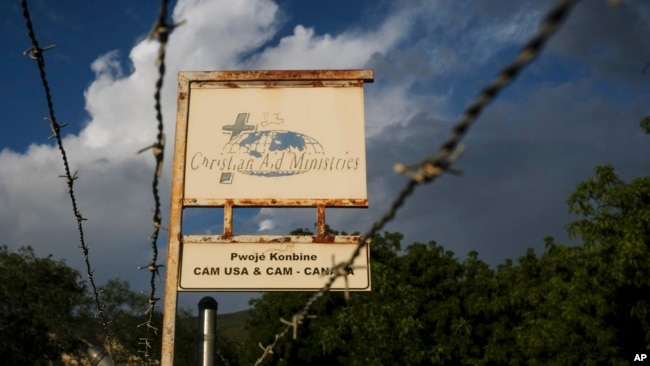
<point x="39" y="298"/>
<point x="127" y="312"/>
<point x="585" y="303"/>
<point x="571" y="304"/>
<point x="645" y="124"/>
<point x="414" y="314"/>
<point x="46" y="313"/>
<point x="264" y="319"/>
<point x="614" y="225"/>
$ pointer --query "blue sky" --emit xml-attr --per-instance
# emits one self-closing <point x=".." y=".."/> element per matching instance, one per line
<point x="577" y="106"/>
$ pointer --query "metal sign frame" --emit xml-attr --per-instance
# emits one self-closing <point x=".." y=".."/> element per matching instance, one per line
<point x="265" y="79"/>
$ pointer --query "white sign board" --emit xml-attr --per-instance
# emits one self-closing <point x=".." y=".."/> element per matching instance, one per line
<point x="213" y="264"/>
<point x="289" y="141"/>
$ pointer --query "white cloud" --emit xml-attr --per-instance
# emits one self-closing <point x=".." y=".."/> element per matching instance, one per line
<point x="304" y="49"/>
<point x="266" y="224"/>
<point x="218" y="33"/>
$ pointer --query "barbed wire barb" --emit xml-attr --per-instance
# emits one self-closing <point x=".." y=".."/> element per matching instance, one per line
<point x="35" y="51"/>
<point x="223" y="359"/>
<point x="426" y="170"/>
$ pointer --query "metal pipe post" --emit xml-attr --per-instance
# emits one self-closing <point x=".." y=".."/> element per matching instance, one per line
<point x="207" y="331"/>
<point x="99" y="357"/>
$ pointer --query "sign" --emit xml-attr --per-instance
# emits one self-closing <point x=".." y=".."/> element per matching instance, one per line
<point x="265" y="138"/>
<point x="279" y="264"/>
<point x="286" y="140"/>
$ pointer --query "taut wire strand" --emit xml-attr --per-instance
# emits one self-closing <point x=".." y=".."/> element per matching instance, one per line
<point x="160" y="31"/>
<point x="36" y="53"/>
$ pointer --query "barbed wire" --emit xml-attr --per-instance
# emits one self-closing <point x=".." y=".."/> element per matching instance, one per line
<point x="433" y="166"/>
<point x="35" y="52"/>
<point x="160" y="31"/>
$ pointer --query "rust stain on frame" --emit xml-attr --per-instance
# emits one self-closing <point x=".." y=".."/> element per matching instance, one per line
<point x="273" y="202"/>
<point x="364" y="75"/>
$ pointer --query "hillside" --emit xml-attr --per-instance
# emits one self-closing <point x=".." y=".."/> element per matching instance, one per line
<point x="231" y="326"/>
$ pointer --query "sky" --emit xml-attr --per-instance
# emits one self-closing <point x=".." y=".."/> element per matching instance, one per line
<point x="577" y="106"/>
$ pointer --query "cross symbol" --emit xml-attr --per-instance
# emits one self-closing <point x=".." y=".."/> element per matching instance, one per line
<point x="239" y="126"/>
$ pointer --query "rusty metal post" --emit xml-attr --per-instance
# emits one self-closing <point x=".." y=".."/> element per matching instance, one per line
<point x="171" y="300"/>
<point x="320" y="220"/>
<point x="207" y="346"/>
<point x="175" y="232"/>
<point x="171" y="284"/>
<point x="99" y="357"/>
<point x="227" y="219"/>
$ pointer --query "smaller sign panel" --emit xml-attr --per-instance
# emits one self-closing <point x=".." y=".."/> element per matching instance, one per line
<point x="289" y="263"/>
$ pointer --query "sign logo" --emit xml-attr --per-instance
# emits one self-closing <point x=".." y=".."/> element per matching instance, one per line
<point x="256" y="151"/>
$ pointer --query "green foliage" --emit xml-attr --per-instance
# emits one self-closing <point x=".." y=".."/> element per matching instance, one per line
<point x="583" y="304"/>
<point x="328" y="231"/>
<point x="39" y="297"/>
<point x="645" y="124"/>
<point x="615" y="228"/>
<point x="415" y="314"/>
<point x="46" y="312"/>
<point x="127" y="311"/>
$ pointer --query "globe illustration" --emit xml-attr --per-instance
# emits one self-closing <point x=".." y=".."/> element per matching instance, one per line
<point x="257" y="144"/>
